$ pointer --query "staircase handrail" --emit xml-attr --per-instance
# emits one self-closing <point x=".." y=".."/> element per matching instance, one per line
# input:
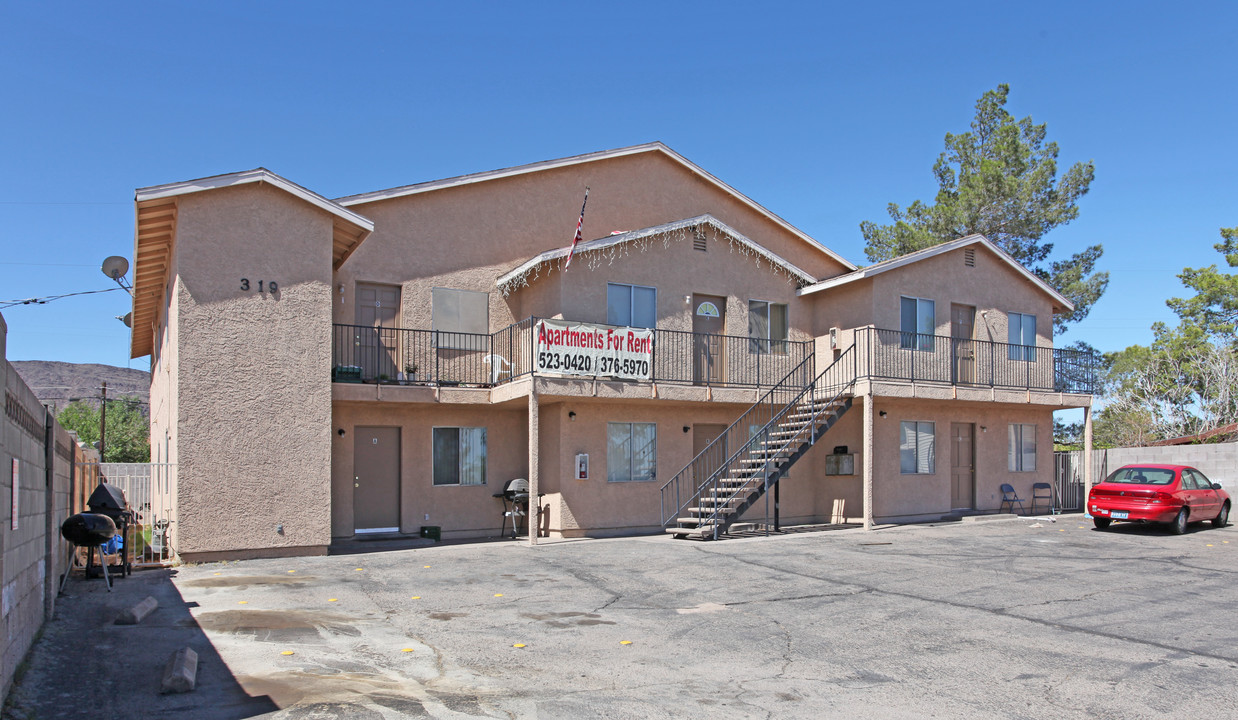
<point x="717" y="446"/>
<point x="762" y="437"/>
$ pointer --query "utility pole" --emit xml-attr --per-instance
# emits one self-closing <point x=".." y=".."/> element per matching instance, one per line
<point x="102" y="420"/>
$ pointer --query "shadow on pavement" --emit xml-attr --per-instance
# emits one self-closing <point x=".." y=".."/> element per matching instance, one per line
<point x="84" y="665"/>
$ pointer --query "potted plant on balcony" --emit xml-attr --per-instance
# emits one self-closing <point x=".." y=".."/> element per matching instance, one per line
<point x="409" y="375"/>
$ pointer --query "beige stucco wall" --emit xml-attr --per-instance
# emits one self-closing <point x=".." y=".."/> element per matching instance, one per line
<point x="676" y="270"/>
<point x="898" y="496"/>
<point x="253" y="392"/>
<point x="164" y="381"/>
<point x="597" y="507"/>
<point x="466" y="236"/>
<point x="460" y="510"/>
<point x="992" y="286"/>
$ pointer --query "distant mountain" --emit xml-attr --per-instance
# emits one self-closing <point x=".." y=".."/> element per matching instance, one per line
<point x="59" y="383"/>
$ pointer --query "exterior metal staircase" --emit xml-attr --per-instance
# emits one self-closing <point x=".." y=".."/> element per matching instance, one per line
<point x="749" y="458"/>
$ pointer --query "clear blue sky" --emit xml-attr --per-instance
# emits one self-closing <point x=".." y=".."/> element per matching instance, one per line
<point x="824" y="113"/>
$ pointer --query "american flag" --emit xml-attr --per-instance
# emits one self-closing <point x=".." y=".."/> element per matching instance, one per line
<point x="579" y="223"/>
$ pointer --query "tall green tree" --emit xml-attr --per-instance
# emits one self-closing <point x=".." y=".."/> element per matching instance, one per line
<point x="1186" y="381"/>
<point x="1000" y="180"/>
<point x="128" y="432"/>
<point x="1214" y="308"/>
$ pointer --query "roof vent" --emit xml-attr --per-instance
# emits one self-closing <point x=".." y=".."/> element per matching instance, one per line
<point x="969" y="257"/>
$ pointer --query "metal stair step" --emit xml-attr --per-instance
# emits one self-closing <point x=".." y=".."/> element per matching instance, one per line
<point x="705" y="511"/>
<point x="706" y="531"/>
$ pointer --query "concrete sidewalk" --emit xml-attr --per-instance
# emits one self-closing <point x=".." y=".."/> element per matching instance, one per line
<point x="993" y="619"/>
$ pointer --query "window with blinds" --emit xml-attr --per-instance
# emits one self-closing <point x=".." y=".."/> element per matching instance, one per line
<point x="916" y="447"/>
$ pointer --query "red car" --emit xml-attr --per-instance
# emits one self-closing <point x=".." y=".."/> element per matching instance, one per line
<point x="1174" y="494"/>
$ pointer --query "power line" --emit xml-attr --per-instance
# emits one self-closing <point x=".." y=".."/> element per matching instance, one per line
<point x="4" y="304"/>
<point x="35" y="264"/>
<point x="40" y="202"/>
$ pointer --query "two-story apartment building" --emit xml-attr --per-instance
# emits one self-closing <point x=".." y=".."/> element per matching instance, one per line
<point x="379" y="363"/>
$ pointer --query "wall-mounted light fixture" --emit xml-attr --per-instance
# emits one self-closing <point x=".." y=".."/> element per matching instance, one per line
<point x="983" y="429"/>
<point x="686" y="428"/>
<point x="341" y="432"/>
<point x="687" y="299"/>
<point x="882" y="413"/>
<point x="571" y="415"/>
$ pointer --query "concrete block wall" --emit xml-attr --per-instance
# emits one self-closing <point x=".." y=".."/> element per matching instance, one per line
<point x="1219" y="462"/>
<point x="32" y="555"/>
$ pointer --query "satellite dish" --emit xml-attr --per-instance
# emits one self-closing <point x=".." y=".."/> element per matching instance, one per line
<point x="115" y="267"/>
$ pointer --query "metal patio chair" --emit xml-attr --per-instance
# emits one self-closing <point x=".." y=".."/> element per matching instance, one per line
<point x="1011" y="498"/>
<point x="1043" y="491"/>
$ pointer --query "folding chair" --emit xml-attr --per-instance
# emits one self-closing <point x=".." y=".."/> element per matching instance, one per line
<point x="1043" y="491"/>
<point x="1011" y="498"/>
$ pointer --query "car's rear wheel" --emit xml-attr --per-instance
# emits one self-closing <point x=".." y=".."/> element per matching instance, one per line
<point x="1178" y="526"/>
<point x="1101" y="523"/>
<point x="1222" y="519"/>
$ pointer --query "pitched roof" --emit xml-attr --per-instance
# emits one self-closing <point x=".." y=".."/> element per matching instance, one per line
<point x="155" y="233"/>
<point x="515" y="277"/>
<point x="919" y="255"/>
<point x="657" y="147"/>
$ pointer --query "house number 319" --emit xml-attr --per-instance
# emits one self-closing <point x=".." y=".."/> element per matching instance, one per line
<point x="271" y="285"/>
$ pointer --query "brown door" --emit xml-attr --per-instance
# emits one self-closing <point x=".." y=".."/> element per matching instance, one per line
<point x="962" y="327"/>
<point x="376" y="479"/>
<point x="708" y="322"/>
<point x="962" y="466"/>
<point x="702" y="436"/>
<point x="377" y="341"/>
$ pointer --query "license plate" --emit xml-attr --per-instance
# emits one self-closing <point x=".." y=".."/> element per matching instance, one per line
<point x="1119" y="515"/>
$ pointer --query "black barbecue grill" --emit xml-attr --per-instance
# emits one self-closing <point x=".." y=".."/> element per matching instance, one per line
<point x="108" y="507"/>
<point x="515" y="498"/>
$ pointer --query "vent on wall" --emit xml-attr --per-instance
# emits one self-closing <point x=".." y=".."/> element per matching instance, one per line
<point x="969" y="257"/>
<point x="698" y="242"/>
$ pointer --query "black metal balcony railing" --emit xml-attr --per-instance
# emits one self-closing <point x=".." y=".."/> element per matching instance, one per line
<point x="914" y="357"/>
<point x="398" y="355"/>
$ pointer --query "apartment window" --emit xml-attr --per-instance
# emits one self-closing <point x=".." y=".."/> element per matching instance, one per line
<point x="461" y="318"/>
<point x="916" y="447"/>
<point x="1022" y="336"/>
<point x="918" y="322"/>
<point x="767" y="327"/>
<point x="1022" y="454"/>
<point x="459" y="456"/>
<point x="631" y="305"/>
<point x="631" y="452"/>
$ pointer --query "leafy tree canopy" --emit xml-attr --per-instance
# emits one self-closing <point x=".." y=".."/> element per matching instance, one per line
<point x="1000" y="180"/>
<point x="128" y="432"/>
<point x="1214" y="309"/>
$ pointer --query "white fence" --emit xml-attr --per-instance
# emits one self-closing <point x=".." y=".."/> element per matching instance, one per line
<point x="147" y="488"/>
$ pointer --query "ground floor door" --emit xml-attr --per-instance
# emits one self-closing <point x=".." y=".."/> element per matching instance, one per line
<point x="376" y="479"/>
<point x="962" y="466"/>
<point x="708" y="324"/>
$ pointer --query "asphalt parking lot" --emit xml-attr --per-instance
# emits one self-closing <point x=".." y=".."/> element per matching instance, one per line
<point x="1013" y="619"/>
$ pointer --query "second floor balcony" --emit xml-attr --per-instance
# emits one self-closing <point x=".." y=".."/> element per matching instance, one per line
<point x="388" y="355"/>
<point x="434" y="357"/>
